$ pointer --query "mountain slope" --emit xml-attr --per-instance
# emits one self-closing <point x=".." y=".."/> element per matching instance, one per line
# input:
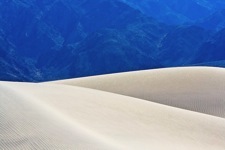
<point x="214" y="21"/>
<point x="213" y="49"/>
<point x="40" y="34"/>
<point x="177" y="11"/>
<point x="58" y="39"/>
<point x="180" y="46"/>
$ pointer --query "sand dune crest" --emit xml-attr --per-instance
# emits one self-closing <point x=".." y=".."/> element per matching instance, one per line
<point x="200" y="89"/>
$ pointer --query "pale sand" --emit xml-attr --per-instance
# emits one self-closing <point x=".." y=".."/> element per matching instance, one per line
<point x="200" y="89"/>
<point x="58" y="116"/>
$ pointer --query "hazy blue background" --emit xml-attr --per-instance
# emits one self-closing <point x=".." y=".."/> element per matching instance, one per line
<point x="44" y="40"/>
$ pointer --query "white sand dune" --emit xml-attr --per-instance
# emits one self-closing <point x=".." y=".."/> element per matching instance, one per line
<point x="200" y="89"/>
<point x="61" y="116"/>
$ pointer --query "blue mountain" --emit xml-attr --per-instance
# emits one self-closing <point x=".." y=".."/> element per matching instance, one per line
<point x="215" y="21"/>
<point x="44" y="40"/>
<point x="177" y="11"/>
<point x="213" y="50"/>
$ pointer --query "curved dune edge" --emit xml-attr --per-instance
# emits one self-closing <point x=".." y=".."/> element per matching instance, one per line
<point x="61" y="116"/>
<point x="200" y="89"/>
<point x="27" y="123"/>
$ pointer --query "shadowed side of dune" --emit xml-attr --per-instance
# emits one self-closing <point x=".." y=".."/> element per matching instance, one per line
<point x="200" y="89"/>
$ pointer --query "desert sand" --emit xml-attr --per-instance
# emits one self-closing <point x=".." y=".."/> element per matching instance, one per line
<point x="200" y="89"/>
<point x="162" y="109"/>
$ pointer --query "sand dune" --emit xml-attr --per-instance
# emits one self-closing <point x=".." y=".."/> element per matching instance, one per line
<point x="200" y="89"/>
<point x="61" y="116"/>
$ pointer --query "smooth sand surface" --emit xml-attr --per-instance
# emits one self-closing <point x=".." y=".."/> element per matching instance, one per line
<point x="60" y="116"/>
<point x="200" y="89"/>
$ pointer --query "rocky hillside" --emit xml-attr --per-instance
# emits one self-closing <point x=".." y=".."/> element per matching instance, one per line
<point x="57" y="39"/>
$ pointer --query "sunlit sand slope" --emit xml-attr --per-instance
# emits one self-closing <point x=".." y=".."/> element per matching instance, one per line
<point x="28" y="123"/>
<point x="200" y="89"/>
<point x="57" y="116"/>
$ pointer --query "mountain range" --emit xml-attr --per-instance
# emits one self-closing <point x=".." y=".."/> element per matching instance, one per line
<point x="57" y="39"/>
